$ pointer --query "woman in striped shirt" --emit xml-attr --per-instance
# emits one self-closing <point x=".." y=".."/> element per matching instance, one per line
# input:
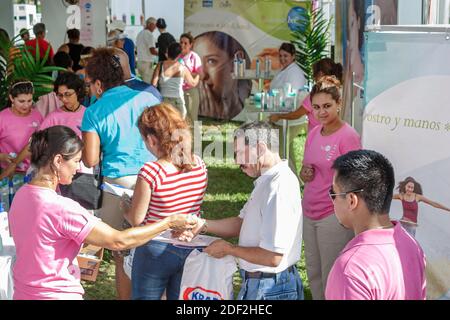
<point x="175" y="183"/>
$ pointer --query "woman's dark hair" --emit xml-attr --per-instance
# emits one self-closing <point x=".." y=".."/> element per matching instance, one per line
<point x="402" y="185"/>
<point x="161" y="23"/>
<point x="87" y="50"/>
<point x="63" y="60"/>
<point x="71" y="81"/>
<point x="21" y="86"/>
<point x="288" y="47"/>
<point x="18" y="87"/>
<point x="174" y="50"/>
<point x="48" y="143"/>
<point x="328" y="67"/>
<point x="188" y="36"/>
<point x="330" y="85"/>
<point x="105" y="66"/>
<point x="73" y="34"/>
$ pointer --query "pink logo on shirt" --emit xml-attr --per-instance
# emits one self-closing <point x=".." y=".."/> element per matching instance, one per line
<point x="330" y="151"/>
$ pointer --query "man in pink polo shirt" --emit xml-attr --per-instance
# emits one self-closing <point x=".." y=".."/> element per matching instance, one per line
<point x="382" y="262"/>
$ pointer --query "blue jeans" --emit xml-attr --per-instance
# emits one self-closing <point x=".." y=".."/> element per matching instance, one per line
<point x="157" y="266"/>
<point x="285" y="285"/>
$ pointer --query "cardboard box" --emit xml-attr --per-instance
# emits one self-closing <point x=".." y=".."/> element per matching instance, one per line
<point x="89" y="260"/>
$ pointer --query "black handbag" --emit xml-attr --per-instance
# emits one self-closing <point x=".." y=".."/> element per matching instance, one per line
<point x="85" y="189"/>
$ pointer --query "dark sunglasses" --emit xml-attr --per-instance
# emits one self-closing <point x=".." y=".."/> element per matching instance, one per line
<point x="333" y="195"/>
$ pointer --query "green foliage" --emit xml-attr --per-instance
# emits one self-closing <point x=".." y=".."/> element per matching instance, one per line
<point x="16" y="62"/>
<point x="311" y="39"/>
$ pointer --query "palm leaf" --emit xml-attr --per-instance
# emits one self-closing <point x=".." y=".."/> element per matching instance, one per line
<point x="24" y="65"/>
<point x="311" y="39"/>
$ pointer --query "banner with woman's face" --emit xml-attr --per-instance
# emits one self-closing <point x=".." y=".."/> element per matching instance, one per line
<point x="353" y="16"/>
<point x="252" y="30"/>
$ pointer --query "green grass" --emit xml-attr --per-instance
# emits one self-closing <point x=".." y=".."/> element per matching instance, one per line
<point x="228" y="190"/>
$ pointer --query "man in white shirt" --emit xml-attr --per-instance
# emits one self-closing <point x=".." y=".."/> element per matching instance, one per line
<point x="270" y="223"/>
<point x="146" y="50"/>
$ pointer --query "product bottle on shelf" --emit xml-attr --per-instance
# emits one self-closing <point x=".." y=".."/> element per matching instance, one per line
<point x="258" y="70"/>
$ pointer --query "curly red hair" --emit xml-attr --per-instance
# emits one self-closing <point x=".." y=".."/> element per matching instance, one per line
<point x="173" y="133"/>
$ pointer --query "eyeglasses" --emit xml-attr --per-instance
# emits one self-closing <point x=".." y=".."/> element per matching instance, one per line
<point x="333" y="195"/>
<point x="66" y="94"/>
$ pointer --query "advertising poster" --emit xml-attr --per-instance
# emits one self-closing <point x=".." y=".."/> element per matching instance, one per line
<point x="223" y="28"/>
<point x="351" y="20"/>
<point x="407" y="118"/>
<point x="87" y="22"/>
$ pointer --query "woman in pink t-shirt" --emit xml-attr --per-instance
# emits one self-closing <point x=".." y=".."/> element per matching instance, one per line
<point x="323" y="236"/>
<point x="410" y="195"/>
<point x="70" y="90"/>
<point x="17" y="124"/>
<point x="49" y="230"/>
<point x="193" y="62"/>
<point x="324" y="67"/>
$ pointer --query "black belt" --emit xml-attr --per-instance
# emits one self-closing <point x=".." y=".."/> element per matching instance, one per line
<point x="260" y="275"/>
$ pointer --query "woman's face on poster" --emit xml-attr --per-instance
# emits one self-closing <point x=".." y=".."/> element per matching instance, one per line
<point x="217" y="66"/>
<point x="354" y="24"/>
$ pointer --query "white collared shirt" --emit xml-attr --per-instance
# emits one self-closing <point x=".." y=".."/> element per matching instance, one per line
<point x="144" y="41"/>
<point x="272" y="218"/>
<point x="293" y="74"/>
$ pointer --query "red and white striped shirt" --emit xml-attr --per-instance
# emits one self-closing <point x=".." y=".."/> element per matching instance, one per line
<point x="175" y="192"/>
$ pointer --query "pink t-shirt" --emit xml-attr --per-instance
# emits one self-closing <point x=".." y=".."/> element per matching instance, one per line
<point x="15" y="133"/>
<point x="312" y="121"/>
<point x="48" y="231"/>
<point x="193" y="62"/>
<point x="379" y="264"/>
<point x="73" y="120"/>
<point x="59" y="117"/>
<point x="320" y="153"/>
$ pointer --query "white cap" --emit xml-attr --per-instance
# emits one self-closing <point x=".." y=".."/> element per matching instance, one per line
<point x="113" y="36"/>
<point x="117" y="25"/>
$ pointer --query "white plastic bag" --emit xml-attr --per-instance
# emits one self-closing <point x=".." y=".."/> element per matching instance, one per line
<point x="128" y="262"/>
<point x="207" y="278"/>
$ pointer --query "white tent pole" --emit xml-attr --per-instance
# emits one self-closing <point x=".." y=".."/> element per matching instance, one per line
<point x="447" y="12"/>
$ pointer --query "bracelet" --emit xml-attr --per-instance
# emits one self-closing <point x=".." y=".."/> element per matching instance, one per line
<point x="204" y="228"/>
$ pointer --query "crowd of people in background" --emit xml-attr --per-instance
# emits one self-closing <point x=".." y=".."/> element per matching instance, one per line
<point x="117" y="108"/>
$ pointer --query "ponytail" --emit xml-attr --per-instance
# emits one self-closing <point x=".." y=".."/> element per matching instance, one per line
<point x="48" y="143"/>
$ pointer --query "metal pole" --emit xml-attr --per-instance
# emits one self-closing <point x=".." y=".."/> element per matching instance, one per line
<point x="352" y="100"/>
<point x="285" y="139"/>
<point x="447" y="12"/>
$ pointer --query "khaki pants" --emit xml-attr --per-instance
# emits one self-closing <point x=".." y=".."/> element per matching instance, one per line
<point x="324" y="240"/>
<point x="177" y="103"/>
<point x="192" y="100"/>
<point x="145" y="70"/>
<point x="110" y="213"/>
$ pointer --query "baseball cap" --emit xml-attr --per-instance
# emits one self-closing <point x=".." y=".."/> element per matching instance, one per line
<point x="161" y="23"/>
<point x="117" y="25"/>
